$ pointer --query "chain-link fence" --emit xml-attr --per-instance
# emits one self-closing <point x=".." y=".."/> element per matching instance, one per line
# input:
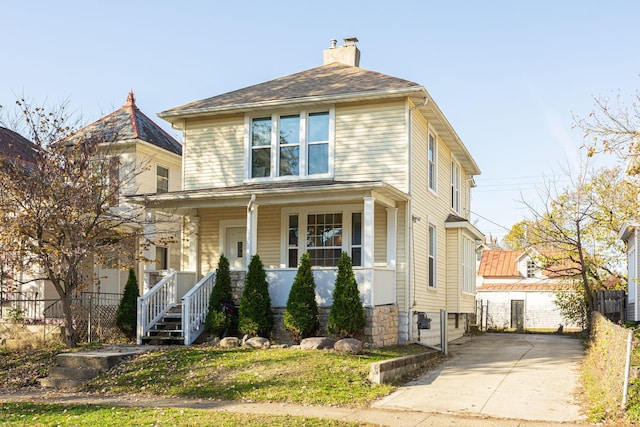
<point x="94" y="316"/>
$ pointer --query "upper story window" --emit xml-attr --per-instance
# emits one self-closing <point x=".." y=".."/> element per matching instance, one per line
<point x="162" y="179"/>
<point x="293" y="145"/>
<point x="455" y="186"/>
<point x="431" y="165"/>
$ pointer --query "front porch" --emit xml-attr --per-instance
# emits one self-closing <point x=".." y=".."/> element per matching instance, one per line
<point x="177" y="295"/>
<point x="280" y="222"/>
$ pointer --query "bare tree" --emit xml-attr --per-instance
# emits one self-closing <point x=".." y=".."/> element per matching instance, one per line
<point x="612" y="128"/>
<point x="575" y="228"/>
<point x="61" y="214"/>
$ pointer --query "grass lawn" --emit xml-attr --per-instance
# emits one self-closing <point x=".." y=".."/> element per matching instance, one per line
<point x="42" y="414"/>
<point x="318" y="377"/>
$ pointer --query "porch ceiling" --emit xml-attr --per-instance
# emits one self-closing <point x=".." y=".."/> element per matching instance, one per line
<point x="283" y="193"/>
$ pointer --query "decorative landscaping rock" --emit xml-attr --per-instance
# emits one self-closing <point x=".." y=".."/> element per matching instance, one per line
<point x="229" y="342"/>
<point x="317" y="343"/>
<point x="348" y="345"/>
<point x="257" y="342"/>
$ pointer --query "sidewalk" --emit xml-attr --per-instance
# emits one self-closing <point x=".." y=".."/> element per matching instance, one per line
<point x="380" y="417"/>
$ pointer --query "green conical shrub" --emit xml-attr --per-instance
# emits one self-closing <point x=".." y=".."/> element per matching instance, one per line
<point x="220" y="321"/>
<point x="301" y="314"/>
<point x="346" y="316"/>
<point x="256" y="317"/>
<point x="127" y="313"/>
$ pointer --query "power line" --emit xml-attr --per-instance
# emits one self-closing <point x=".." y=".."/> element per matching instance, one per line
<point x="488" y="220"/>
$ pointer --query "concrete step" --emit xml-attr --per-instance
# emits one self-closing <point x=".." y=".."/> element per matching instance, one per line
<point x="93" y="359"/>
<point x="73" y="373"/>
<point x="75" y="369"/>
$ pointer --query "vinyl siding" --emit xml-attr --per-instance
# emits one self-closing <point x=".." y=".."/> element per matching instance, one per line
<point x="269" y="236"/>
<point x="148" y="159"/>
<point x="402" y="259"/>
<point x="433" y="208"/>
<point x="209" y="235"/>
<point x="454" y="272"/>
<point x="380" y="237"/>
<point x="370" y="141"/>
<point x="214" y="152"/>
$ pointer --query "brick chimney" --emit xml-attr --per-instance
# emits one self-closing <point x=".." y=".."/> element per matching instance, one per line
<point x="348" y="54"/>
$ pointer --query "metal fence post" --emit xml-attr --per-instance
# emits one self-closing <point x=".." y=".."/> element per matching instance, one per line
<point x="89" y="322"/>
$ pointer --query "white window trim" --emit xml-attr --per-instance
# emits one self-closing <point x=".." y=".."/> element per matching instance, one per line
<point x="468" y="265"/>
<point x="456" y="187"/>
<point x="168" y="176"/>
<point x="275" y="148"/>
<point x="433" y="188"/>
<point x="433" y="255"/>
<point x="302" y="212"/>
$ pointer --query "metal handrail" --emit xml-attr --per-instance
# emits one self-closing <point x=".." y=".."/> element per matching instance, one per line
<point x="195" y="306"/>
<point x="153" y="305"/>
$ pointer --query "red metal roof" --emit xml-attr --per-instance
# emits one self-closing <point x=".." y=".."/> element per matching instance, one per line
<point x="499" y="263"/>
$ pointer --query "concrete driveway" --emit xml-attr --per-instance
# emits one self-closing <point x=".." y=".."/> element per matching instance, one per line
<point x="519" y="376"/>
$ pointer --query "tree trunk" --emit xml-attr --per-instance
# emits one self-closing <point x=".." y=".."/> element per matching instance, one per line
<point x="70" y="336"/>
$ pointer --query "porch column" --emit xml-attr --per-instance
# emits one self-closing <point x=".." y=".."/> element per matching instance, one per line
<point x="193" y="228"/>
<point x="252" y="230"/>
<point x="392" y="232"/>
<point x="149" y="254"/>
<point x="368" y="249"/>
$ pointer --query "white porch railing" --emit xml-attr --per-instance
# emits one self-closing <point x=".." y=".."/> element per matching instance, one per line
<point x="155" y="303"/>
<point x="195" y="305"/>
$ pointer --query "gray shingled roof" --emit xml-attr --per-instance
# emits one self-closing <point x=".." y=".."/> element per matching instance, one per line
<point x="327" y="80"/>
<point x="128" y="123"/>
<point x="14" y="146"/>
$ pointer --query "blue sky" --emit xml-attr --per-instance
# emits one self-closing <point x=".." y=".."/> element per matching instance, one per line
<point x="509" y="75"/>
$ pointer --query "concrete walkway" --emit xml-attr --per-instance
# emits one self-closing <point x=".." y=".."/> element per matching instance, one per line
<point x="517" y="376"/>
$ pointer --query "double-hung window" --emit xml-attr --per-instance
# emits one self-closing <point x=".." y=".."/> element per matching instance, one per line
<point x="455" y="186"/>
<point x="292" y="145"/>
<point x="432" y="256"/>
<point x="431" y="162"/>
<point x="162" y="179"/>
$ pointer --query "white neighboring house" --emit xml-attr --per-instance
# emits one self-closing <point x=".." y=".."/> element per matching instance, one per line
<point x="629" y="234"/>
<point x="137" y="141"/>
<point x="516" y="293"/>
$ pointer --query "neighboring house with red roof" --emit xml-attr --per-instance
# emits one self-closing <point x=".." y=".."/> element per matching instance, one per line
<point x="333" y="159"/>
<point x="515" y="292"/>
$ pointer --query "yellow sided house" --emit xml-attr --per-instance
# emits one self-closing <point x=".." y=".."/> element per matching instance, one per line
<point x="328" y="160"/>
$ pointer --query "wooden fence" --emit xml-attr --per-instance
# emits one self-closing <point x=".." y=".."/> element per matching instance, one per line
<point x="611" y="304"/>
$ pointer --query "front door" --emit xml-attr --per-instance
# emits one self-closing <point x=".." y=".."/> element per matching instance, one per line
<point x="235" y="247"/>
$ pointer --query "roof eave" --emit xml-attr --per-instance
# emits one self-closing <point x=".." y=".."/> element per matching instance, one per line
<point x="171" y="115"/>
